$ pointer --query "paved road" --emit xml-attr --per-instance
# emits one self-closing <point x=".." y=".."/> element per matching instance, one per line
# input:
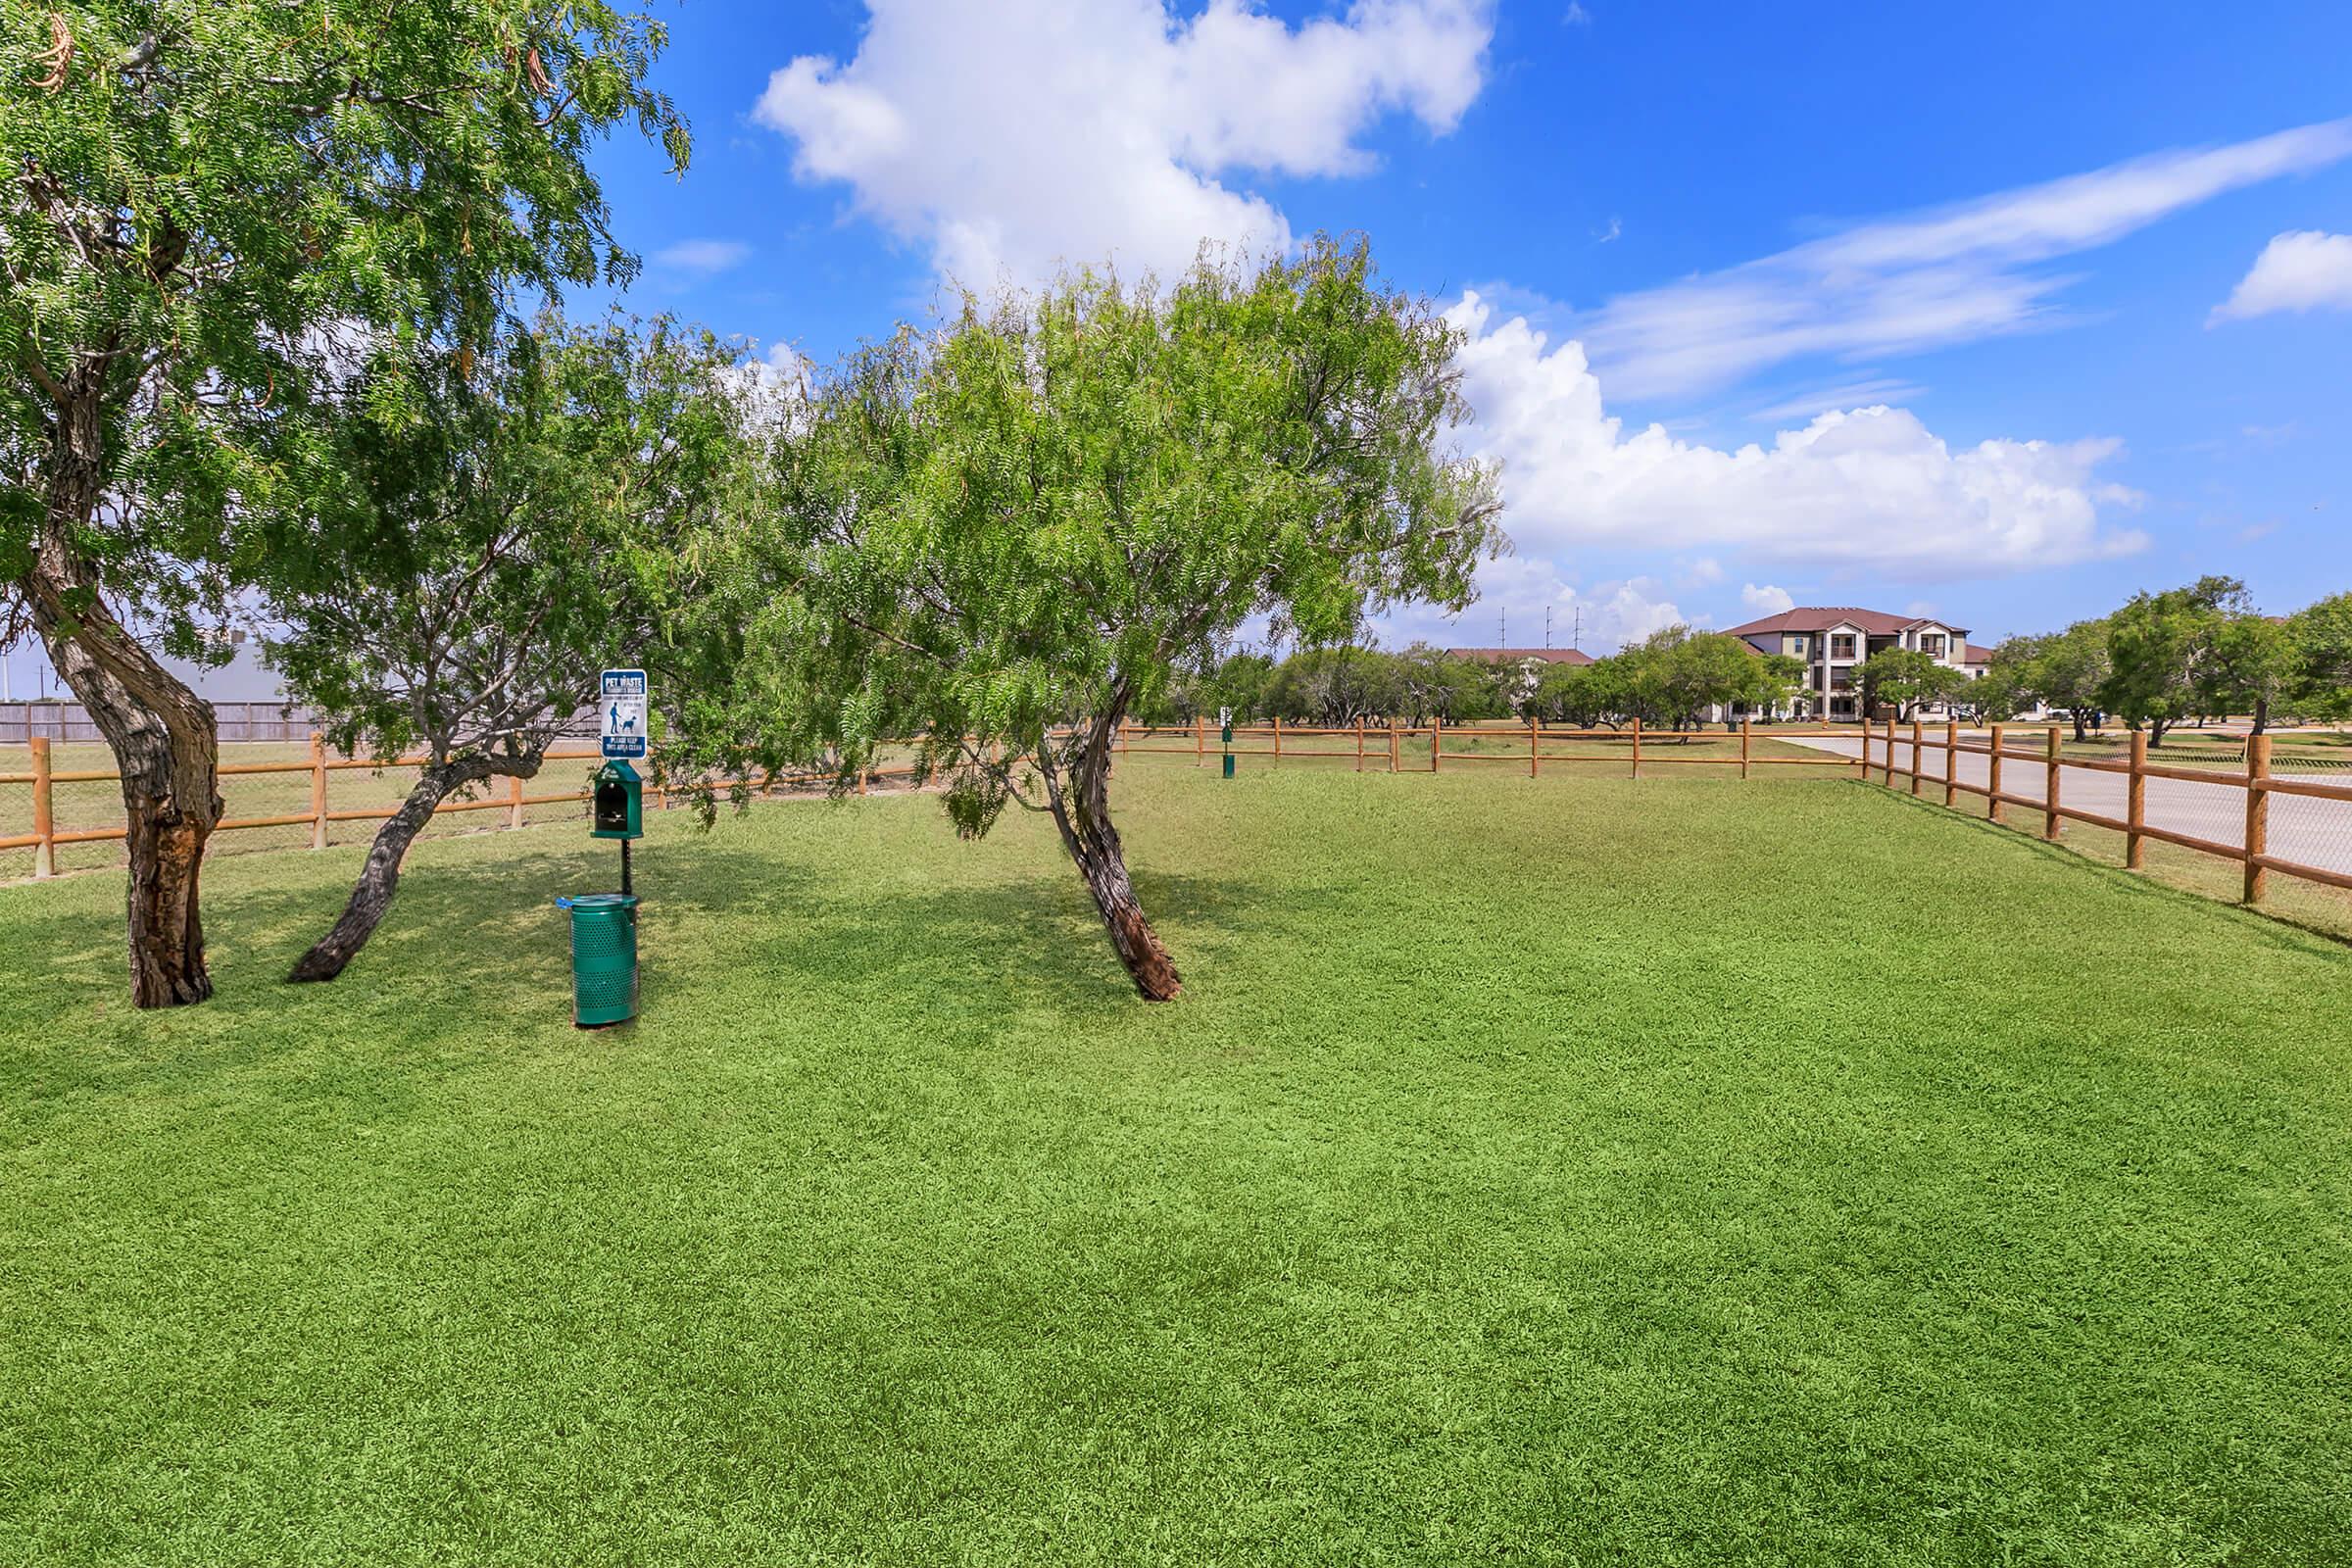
<point x="2310" y="832"/>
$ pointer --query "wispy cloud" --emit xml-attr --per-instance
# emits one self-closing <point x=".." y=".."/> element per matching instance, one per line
<point x="1873" y="392"/>
<point x="702" y="258"/>
<point x="1922" y="281"/>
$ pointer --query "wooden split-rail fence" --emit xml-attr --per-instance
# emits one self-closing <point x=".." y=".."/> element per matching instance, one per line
<point x="1395" y="748"/>
<point x="514" y="801"/>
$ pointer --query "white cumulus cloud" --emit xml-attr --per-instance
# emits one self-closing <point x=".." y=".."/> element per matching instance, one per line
<point x="1862" y="488"/>
<point x="1766" y="599"/>
<point x="2305" y="271"/>
<point x="1012" y="137"/>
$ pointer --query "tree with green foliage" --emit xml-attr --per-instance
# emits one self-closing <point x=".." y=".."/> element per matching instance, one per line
<point x="203" y="198"/>
<point x="1003" y="537"/>
<point x="2249" y="664"/>
<point x="2320" y="637"/>
<point x="2006" y="688"/>
<point x="1336" y="686"/>
<point x="1439" y="686"/>
<point x="2068" y="670"/>
<point x="1237" y="684"/>
<point x="1778" y="682"/>
<point x="2162" y="650"/>
<point x="1909" y="679"/>
<point x="1584" y="696"/>
<point x="489" y="551"/>
<point x="1675" y="675"/>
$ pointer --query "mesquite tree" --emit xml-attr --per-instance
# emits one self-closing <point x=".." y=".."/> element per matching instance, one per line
<point x="493" y="547"/>
<point x="1004" y="536"/>
<point x="198" y="200"/>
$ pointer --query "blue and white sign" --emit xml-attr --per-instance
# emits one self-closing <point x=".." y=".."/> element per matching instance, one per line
<point x="620" y="711"/>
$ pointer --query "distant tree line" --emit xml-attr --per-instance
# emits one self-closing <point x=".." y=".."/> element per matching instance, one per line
<point x="2184" y="656"/>
<point x="1676" y="678"/>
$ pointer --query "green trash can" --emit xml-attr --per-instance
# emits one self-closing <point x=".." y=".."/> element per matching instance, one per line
<point x="604" y="958"/>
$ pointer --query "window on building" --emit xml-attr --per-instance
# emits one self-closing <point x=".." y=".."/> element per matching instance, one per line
<point x="1931" y="646"/>
<point x="1841" y="646"/>
<point x="1797" y="646"/>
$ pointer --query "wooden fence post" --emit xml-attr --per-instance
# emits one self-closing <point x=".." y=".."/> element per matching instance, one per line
<point x="1890" y="753"/>
<point x="1278" y="738"/>
<point x="1915" y="768"/>
<point x="1200" y="740"/>
<point x="1435" y="755"/>
<point x="1392" y="744"/>
<point x="44" y="820"/>
<point x="318" y="791"/>
<point x="1360" y="743"/>
<point x="2051" y="823"/>
<point x="2136" y="803"/>
<point x="2258" y="816"/>
<point x="514" y="800"/>
<point x="1636" y="745"/>
<point x="1951" y="763"/>
<point x="1744" y="746"/>
<point x="1534" y="741"/>
<point x="1992" y="780"/>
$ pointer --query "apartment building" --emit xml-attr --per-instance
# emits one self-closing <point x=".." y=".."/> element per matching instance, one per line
<point x="1832" y="641"/>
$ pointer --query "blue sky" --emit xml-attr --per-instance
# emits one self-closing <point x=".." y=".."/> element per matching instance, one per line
<point x="1724" y="219"/>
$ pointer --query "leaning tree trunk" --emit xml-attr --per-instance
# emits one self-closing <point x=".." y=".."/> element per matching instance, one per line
<point x="164" y="742"/>
<point x="1081" y="808"/>
<point x="379" y="878"/>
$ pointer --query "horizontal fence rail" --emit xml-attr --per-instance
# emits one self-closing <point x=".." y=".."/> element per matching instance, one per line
<point x="2234" y="815"/>
<point x="1390" y="746"/>
<point x="2241" y="808"/>
<point x="512" y="797"/>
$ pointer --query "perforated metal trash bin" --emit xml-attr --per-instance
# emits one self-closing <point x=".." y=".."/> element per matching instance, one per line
<point x="604" y="958"/>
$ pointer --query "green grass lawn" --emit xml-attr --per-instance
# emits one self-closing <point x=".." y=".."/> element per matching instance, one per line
<point x="1568" y="1170"/>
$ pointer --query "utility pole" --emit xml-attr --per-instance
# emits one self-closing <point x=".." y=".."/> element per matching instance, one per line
<point x="1547" y="629"/>
<point x="1577" y="639"/>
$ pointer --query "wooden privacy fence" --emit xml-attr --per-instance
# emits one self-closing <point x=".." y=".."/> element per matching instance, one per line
<point x="2254" y="785"/>
<point x="1421" y="748"/>
<point x="514" y="800"/>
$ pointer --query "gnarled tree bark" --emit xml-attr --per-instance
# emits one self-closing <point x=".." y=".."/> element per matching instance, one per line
<point x="1081" y="808"/>
<point x="379" y="878"/>
<point x="162" y="734"/>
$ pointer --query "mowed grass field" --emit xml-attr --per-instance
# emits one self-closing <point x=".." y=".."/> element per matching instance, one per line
<point x="1569" y="1170"/>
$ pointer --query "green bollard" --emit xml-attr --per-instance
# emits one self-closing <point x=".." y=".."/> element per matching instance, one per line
<point x="1228" y="728"/>
<point x="604" y="959"/>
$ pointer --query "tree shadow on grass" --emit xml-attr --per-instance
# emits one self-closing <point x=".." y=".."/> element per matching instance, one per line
<point x="474" y="952"/>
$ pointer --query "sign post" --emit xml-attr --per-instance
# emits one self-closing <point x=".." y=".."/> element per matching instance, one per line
<point x="620" y="714"/>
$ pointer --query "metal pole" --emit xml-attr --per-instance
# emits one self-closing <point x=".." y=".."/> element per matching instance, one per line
<point x="626" y="886"/>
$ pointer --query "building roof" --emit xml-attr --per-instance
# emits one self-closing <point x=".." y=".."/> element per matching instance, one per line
<point x="1979" y="654"/>
<point x="1519" y="656"/>
<point x="1876" y="622"/>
